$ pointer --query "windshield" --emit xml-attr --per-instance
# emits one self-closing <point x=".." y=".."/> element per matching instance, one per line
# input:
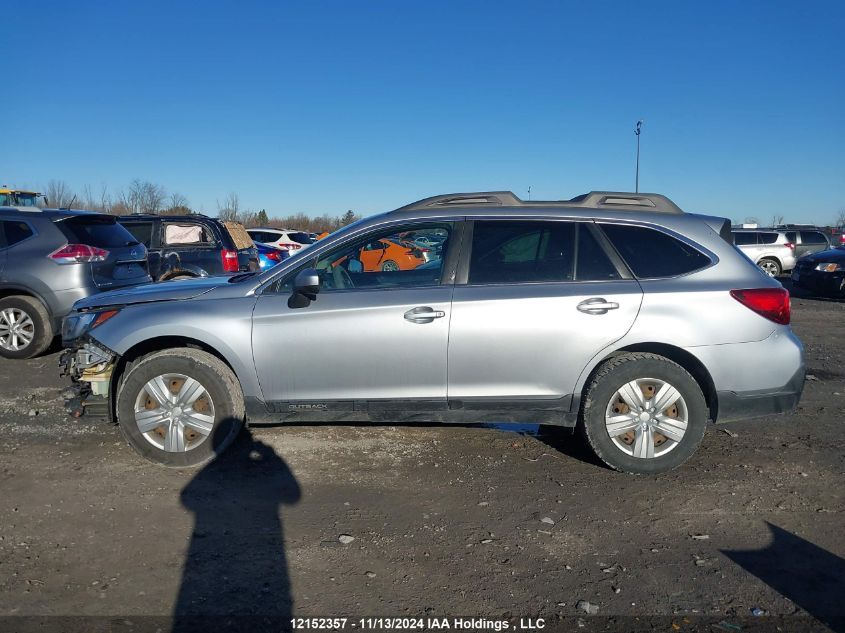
<point x="20" y="199"/>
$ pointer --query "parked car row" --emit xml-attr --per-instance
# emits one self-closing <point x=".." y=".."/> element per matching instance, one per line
<point x="588" y="313"/>
<point x="51" y="258"/>
<point x="776" y="251"/>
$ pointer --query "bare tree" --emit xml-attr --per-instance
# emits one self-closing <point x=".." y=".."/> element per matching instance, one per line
<point x="143" y="197"/>
<point x="230" y="208"/>
<point x="177" y="204"/>
<point x="840" y="218"/>
<point x="777" y="219"/>
<point x="58" y="193"/>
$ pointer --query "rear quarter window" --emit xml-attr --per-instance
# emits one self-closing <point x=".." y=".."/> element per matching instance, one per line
<point x="102" y="231"/>
<point x="651" y="253"/>
<point x="768" y="238"/>
<point x="14" y="232"/>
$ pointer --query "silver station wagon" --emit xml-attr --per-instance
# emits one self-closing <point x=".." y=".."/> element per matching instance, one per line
<point x="614" y="313"/>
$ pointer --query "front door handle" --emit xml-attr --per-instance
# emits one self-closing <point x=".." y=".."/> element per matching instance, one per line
<point x="423" y="314"/>
<point x="597" y="305"/>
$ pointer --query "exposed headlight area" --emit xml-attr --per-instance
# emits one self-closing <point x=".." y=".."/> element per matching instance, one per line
<point x="77" y="324"/>
<point x="829" y="268"/>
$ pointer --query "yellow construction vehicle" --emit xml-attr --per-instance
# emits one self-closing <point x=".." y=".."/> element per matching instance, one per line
<point x="21" y="198"/>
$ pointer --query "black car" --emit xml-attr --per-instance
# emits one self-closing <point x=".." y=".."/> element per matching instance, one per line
<point x="185" y="246"/>
<point x="822" y="272"/>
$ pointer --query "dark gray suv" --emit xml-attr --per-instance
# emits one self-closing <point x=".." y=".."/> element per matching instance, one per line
<point x="50" y="259"/>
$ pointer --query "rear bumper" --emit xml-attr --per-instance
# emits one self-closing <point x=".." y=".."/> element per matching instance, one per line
<point x="740" y="405"/>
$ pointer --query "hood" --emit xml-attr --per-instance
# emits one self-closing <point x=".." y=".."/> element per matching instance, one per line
<point x="833" y="256"/>
<point x="159" y="291"/>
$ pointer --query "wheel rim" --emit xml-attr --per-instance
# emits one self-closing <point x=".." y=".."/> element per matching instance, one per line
<point x="174" y="413"/>
<point x="16" y="329"/>
<point x="390" y="266"/>
<point x="647" y="418"/>
<point x="770" y="268"/>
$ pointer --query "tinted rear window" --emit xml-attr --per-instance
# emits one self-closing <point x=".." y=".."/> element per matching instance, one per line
<point x="300" y="238"/>
<point x="15" y="232"/>
<point x="95" y="230"/>
<point x="768" y="238"/>
<point x="812" y="237"/>
<point x="652" y="253"/>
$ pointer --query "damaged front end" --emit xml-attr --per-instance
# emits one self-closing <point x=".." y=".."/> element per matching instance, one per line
<point x="90" y="366"/>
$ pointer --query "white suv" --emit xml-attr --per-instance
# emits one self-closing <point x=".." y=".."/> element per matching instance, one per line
<point x="769" y="249"/>
<point x="285" y="239"/>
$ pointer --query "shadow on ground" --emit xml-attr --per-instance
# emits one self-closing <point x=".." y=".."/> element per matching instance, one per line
<point x="808" y="575"/>
<point x="236" y="572"/>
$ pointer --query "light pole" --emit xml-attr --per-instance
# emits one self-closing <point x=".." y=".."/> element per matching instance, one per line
<point x="637" y="132"/>
<point x="529" y="192"/>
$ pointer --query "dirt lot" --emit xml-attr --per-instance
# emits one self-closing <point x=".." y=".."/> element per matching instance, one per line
<point x="446" y="521"/>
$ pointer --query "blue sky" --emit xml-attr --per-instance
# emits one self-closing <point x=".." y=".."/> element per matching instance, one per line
<point x="327" y="106"/>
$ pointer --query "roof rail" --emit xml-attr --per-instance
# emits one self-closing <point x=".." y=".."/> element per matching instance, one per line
<point x="610" y="200"/>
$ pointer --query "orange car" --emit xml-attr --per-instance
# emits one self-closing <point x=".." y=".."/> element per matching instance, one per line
<point x="389" y="255"/>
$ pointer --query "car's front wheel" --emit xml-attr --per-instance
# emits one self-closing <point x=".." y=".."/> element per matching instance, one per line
<point x="180" y="407"/>
<point x="643" y="414"/>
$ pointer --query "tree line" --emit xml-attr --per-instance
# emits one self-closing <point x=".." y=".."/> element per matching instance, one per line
<point x="142" y="196"/>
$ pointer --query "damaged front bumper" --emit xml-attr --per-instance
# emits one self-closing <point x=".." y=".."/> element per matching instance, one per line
<point x="90" y="367"/>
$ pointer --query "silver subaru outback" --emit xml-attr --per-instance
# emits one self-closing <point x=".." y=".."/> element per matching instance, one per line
<point x="614" y="313"/>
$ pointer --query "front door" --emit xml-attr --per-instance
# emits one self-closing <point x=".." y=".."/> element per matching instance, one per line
<point x="371" y="334"/>
<point x="541" y="298"/>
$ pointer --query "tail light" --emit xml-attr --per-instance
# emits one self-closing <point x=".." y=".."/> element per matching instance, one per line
<point x="842" y="239"/>
<point x="772" y="303"/>
<point x="230" y="261"/>
<point x="274" y="255"/>
<point x="78" y="253"/>
<point x="790" y="245"/>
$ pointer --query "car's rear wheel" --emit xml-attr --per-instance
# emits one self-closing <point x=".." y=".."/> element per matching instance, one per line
<point x="390" y="266"/>
<point x="180" y="407"/>
<point x="25" y="327"/>
<point x="643" y="414"/>
<point x="770" y="266"/>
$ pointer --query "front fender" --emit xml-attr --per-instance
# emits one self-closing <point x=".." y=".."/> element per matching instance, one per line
<point x="224" y="325"/>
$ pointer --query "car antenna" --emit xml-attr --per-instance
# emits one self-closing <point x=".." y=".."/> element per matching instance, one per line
<point x="72" y="200"/>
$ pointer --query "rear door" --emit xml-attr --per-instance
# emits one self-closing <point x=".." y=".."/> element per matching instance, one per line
<point x="535" y="301"/>
<point x="116" y="258"/>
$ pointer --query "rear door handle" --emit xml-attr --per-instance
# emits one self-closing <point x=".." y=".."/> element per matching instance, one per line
<point x="597" y="305"/>
<point x="423" y="314"/>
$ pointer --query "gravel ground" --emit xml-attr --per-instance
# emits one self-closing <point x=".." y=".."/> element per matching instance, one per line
<point x="431" y="521"/>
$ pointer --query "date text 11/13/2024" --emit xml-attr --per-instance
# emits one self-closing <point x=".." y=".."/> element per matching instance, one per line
<point x="417" y="624"/>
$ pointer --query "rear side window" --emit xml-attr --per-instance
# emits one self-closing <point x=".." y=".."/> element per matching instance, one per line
<point x="744" y="239"/>
<point x="812" y="237"/>
<point x="15" y="232"/>
<point x="141" y="231"/>
<point x="652" y="253"/>
<point x="187" y="234"/>
<point x="768" y="238"/>
<point x="536" y="251"/>
<point x="95" y="230"/>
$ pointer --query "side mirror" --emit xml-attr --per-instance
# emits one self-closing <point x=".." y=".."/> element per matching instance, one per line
<point x="306" y="285"/>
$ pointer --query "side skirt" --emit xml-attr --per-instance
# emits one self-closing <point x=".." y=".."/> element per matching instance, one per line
<point x="555" y="412"/>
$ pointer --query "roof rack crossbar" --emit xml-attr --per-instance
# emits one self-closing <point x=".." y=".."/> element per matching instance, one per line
<point x="610" y="200"/>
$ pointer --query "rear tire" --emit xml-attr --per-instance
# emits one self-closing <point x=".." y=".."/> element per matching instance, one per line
<point x="770" y="266"/>
<point x="26" y="329"/>
<point x="618" y="432"/>
<point x="389" y="266"/>
<point x="180" y="407"/>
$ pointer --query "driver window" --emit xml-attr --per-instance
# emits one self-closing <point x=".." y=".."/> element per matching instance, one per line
<point x="392" y="258"/>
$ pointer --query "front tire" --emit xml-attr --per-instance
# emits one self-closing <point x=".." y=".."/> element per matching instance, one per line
<point x="180" y="407"/>
<point x="26" y="329"/>
<point x="643" y="414"/>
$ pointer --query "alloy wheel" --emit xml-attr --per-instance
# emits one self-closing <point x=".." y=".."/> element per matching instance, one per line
<point x="16" y="329"/>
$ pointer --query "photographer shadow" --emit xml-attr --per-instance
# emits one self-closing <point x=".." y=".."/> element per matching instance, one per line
<point x="235" y="575"/>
